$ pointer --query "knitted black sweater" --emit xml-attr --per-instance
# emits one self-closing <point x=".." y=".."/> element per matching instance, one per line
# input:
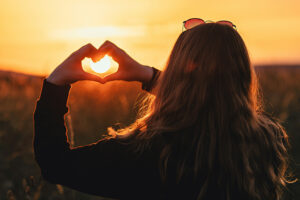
<point x="107" y="168"/>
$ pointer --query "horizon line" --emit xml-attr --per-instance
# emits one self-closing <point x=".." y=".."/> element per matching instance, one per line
<point x="258" y="65"/>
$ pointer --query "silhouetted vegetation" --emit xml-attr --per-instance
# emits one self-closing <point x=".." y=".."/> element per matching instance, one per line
<point x="94" y="107"/>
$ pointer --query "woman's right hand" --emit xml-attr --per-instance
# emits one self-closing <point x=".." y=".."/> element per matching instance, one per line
<point x="129" y="69"/>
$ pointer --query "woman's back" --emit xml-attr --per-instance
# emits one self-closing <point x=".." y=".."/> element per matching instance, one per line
<point x="251" y="172"/>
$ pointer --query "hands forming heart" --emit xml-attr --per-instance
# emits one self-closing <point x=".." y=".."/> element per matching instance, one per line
<point x="70" y="70"/>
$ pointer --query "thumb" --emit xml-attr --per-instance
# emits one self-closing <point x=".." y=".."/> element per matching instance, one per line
<point x="111" y="77"/>
<point x="92" y="77"/>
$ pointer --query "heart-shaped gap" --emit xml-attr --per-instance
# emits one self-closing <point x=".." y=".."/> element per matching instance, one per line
<point x="101" y="68"/>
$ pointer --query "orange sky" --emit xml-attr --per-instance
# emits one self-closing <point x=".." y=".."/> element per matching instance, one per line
<point x="36" y="35"/>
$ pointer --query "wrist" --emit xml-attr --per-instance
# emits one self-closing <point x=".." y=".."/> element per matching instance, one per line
<point x="146" y="73"/>
<point x="55" y="80"/>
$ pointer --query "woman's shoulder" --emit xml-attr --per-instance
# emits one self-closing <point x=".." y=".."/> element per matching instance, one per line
<point x="135" y="148"/>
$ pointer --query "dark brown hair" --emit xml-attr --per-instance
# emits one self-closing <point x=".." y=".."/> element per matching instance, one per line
<point x="206" y="110"/>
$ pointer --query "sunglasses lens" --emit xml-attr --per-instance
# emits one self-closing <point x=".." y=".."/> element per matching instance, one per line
<point x="227" y="23"/>
<point x="191" y="23"/>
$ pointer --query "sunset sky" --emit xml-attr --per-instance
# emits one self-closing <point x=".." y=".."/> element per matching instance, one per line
<point x="36" y="35"/>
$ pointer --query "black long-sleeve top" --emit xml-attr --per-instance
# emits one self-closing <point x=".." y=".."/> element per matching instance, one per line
<point x="108" y="167"/>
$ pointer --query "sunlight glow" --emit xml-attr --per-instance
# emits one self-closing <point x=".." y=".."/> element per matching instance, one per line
<point x="98" y="32"/>
<point x="102" y="65"/>
<point x="101" y="68"/>
<point x="38" y="35"/>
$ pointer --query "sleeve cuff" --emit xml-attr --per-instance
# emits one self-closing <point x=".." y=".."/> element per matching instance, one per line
<point x="54" y="96"/>
<point x="149" y="85"/>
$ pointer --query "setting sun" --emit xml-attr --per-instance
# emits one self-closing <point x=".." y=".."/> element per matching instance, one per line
<point x="101" y="66"/>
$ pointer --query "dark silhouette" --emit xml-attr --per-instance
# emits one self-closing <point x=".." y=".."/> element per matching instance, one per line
<point x="201" y="134"/>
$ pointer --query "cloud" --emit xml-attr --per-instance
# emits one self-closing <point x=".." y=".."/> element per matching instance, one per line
<point x="98" y="32"/>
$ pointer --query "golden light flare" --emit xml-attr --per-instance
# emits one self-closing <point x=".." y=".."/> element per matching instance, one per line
<point x="103" y="67"/>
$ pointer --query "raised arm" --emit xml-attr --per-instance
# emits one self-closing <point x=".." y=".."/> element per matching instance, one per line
<point x="106" y="168"/>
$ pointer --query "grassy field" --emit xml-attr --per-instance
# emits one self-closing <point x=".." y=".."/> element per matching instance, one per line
<point x="94" y="107"/>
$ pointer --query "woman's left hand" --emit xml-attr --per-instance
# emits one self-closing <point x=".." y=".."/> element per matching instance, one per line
<point x="71" y="70"/>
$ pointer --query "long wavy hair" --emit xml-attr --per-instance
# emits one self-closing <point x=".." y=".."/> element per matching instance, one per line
<point x="205" y="109"/>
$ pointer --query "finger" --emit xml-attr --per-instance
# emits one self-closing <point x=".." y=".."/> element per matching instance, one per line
<point x="110" y="49"/>
<point x="87" y="50"/>
<point x="112" y="77"/>
<point x="107" y="43"/>
<point x="92" y="77"/>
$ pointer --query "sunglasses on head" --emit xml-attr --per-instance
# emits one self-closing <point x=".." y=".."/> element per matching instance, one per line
<point x="191" y="23"/>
